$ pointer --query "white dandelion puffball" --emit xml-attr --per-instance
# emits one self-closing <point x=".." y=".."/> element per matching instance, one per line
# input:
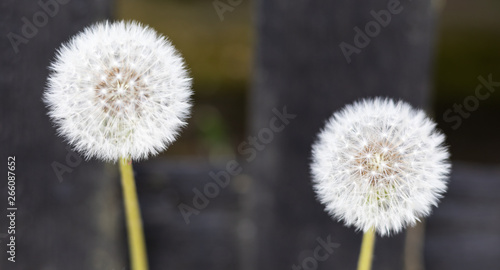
<point x="380" y="164"/>
<point x="118" y="90"/>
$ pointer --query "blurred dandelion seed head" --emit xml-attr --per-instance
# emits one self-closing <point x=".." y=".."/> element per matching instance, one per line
<point x="118" y="90"/>
<point x="380" y="164"/>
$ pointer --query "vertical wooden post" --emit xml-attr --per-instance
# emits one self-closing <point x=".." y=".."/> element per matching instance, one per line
<point x="300" y="64"/>
<point x="66" y="215"/>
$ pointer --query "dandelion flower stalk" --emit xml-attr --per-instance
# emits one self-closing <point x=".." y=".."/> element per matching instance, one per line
<point x="136" y="244"/>
<point x="120" y="92"/>
<point x="366" y="253"/>
<point x="380" y="166"/>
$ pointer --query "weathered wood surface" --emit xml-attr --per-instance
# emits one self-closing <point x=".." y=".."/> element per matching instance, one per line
<point x="268" y="220"/>
<point x="59" y="225"/>
<point x="209" y="240"/>
<point x="464" y="231"/>
<point x="299" y="64"/>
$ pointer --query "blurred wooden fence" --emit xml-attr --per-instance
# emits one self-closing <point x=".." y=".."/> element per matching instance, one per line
<point x="312" y="57"/>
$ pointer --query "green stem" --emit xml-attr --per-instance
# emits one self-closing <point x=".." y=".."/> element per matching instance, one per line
<point x="137" y="247"/>
<point x="366" y="254"/>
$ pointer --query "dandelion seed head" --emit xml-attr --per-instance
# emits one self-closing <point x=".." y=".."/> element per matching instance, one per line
<point x="118" y="90"/>
<point x="399" y="168"/>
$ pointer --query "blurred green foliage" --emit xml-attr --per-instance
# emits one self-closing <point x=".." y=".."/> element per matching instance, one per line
<point x="468" y="46"/>
<point x="463" y="55"/>
<point x="219" y="55"/>
<point x="217" y="52"/>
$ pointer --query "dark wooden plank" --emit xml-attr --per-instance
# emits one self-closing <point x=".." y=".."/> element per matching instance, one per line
<point x="209" y="239"/>
<point x="299" y="65"/>
<point x="464" y="231"/>
<point x="60" y="225"/>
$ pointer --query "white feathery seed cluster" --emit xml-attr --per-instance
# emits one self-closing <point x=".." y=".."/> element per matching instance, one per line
<point x="380" y="164"/>
<point x="118" y="90"/>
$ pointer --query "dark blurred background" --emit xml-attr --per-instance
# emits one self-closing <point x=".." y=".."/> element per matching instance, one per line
<point x="248" y="59"/>
<point x="219" y="54"/>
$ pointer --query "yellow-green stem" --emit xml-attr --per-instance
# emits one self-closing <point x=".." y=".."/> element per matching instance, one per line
<point x="137" y="247"/>
<point x="366" y="253"/>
